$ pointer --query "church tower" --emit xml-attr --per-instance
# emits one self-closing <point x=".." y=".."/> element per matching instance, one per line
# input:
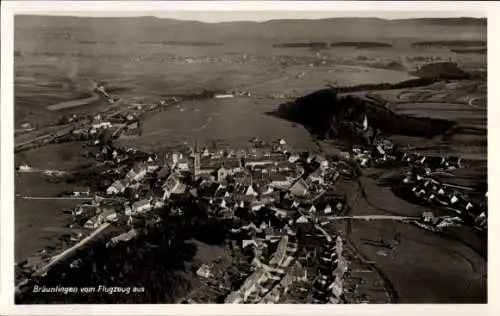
<point x="365" y="123"/>
<point x="196" y="162"/>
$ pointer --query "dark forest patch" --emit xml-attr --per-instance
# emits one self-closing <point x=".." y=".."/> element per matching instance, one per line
<point x="324" y="112"/>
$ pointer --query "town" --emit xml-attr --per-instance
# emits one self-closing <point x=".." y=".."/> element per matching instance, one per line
<point x="273" y="200"/>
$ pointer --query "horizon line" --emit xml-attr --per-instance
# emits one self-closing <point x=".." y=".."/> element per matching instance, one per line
<point x="68" y="15"/>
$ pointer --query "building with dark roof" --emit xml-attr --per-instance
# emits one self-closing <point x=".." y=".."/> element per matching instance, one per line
<point x="299" y="188"/>
<point x="172" y="185"/>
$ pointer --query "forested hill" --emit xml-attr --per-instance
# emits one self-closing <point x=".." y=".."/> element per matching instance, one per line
<point x="324" y="113"/>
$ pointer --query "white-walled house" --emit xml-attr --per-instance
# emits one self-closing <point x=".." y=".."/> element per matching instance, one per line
<point x="115" y="188"/>
<point x="142" y="206"/>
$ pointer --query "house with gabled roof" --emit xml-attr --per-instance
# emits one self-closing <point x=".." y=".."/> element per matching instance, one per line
<point x="302" y="219"/>
<point x="221" y="192"/>
<point x="251" y="284"/>
<point x="142" y="206"/>
<point x="316" y="177"/>
<point x="289" y="204"/>
<point x="235" y="297"/>
<point x="223" y="203"/>
<point x="243" y="200"/>
<point x="323" y="162"/>
<point x="172" y="185"/>
<point x="299" y="188"/>
<point x="293" y="158"/>
<point x="151" y="165"/>
<point x="323" y="209"/>
<point x="311" y="209"/>
<point x="481" y="219"/>
<point x="222" y="173"/>
<point x="78" y="191"/>
<point x="454" y="162"/>
<point x="115" y="188"/>
<point x="280" y="181"/>
<point x="434" y="162"/>
<point x="251" y="190"/>
<point x="204" y="271"/>
<point x="99" y="219"/>
<point x="137" y="173"/>
<point x="268" y="190"/>
<point x="336" y="287"/>
<point x="132" y="233"/>
<point x="453" y="198"/>
<point x="209" y="189"/>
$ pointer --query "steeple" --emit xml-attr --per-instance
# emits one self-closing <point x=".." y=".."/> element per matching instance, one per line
<point x="365" y="123"/>
<point x="196" y="162"/>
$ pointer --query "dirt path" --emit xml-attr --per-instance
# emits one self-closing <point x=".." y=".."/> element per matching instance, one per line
<point x="74" y="103"/>
<point x="173" y="130"/>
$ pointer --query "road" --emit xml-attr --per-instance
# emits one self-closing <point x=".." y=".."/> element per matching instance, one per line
<point x="371" y="217"/>
<point x="54" y="198"/>
<point x="72" y="249"/>
<point x="66" y="253"/>
<point x="47" y="171"/>
<point x="325" y="233"/>
<point x="99" y="198"/>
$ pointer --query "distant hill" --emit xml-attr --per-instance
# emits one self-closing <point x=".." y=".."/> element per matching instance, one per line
<point x="155" y="29"/>
<point x="360" y="44"/>
<point x="316" y="45"/>
<point x="393" y="65"/>
<point x="453" y="43"/>
<point x="444" y="70"/>
<point x="470" y="50"/>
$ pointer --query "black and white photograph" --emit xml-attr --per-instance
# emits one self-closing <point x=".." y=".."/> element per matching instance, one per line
<point x="250" y="157"/>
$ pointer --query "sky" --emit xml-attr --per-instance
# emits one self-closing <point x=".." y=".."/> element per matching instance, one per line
<point x="225" y="16"/>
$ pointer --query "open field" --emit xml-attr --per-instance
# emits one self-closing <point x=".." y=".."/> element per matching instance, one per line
<point x="442" y="268"/>
<point x="65" y="156"/>
<point x="39" y="222"/>
<point x="39" y="225"/>
<point x="444" y="271"/>
<point x="53" y="72"/>
<point x="460" y="101"/>
<point x="227" y="122"/>
<point x="73" y="103"/>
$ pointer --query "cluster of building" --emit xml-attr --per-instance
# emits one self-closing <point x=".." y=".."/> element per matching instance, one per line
<point x="431" y="163"/>
<point x="225" y="179"/>
<point x="328" y="287"/>
<point x="292" y="189"/>
<point x="382" y="151"/>
<point x="272" y="278"/>
<point x="277" y="273"/>
<point x="434" y="223"/>
<point x="418" y="184"/>
<point x="254" y="178"/>
<point x="271" y="183"/>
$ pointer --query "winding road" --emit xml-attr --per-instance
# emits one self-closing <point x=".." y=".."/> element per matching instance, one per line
<point x="74" y="103"/>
